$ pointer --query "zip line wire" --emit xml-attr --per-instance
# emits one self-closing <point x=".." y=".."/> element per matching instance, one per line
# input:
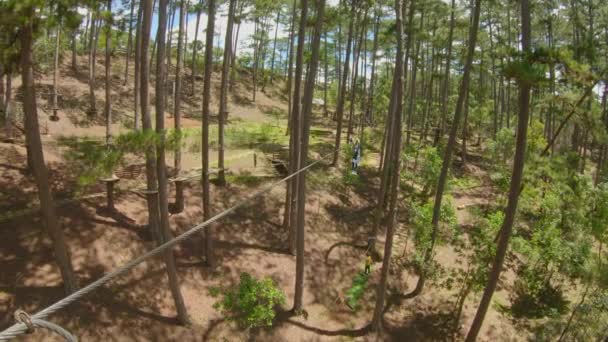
<point x="21" y="328"/>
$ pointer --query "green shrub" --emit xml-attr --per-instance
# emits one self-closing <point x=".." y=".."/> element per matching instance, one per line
<point x="356" y="291"/>
<point x="251" y="303"/>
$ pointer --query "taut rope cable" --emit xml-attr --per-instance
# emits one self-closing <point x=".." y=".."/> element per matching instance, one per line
<point x="20" y="328"/>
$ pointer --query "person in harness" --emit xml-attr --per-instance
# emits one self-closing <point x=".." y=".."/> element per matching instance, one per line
<point x="356" y="159"/>
<point x="368" y="263"/>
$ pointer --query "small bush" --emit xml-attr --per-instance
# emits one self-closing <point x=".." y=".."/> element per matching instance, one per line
<point x="356" y="291"/>
<point x="251" y="303"/>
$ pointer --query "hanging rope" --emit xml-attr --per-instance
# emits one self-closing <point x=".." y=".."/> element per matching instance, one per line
<point x="21" y="328"/>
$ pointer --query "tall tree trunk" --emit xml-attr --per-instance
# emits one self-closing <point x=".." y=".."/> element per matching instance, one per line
<point x="7" y="104"/>
<point x="2" y="94"/>
<point x="370" y="101"/>
<point x="290" y="187"/>
<point x="108" y="105"/>
<point x="56" y="74"/>
<point x="74" y="52"/>
<point x="86" y="33"/>
<point x="447" y="158"/>
<point x="390" y="130"/>
<point x="256" y="54"/>
<point x="446" y="84"/>
<point x="169" y="54"/>
<point x="138" y="54"/>
<point x="238" y="20"/>
<point x="431" y="96"/>
<point x="161" y="206"/>
<point x="354" y="80"/>
<point x="325" y="76"/>
<point x="32" y="135"/>
<point x="92" y="53"/>
<point x="342" y="92"/>
<point x="494" y="87"/>
<point x="394" y="162"/>
<point x="274" y="45"/>
<point x="177" y="116"/>
<point x="514" y="190"/>
<point x="508" y="91"/>
<point x="129" y="42"/>
<point x="305" y="130"/>
<point x="195" y="46"/>
<point x="465" y="129"/>
<point x="223" y="109"/>
<point x="292" y="37"/>
<point x="411" y="102"/>
<point x="295" y="143"/>
<point x="205" y="153"/>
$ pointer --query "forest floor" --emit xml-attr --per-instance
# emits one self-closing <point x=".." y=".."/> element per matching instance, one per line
<point x="139" y="307"/>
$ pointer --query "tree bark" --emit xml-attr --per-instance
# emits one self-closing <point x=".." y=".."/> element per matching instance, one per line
<point x="108" y="104"/>
<point x="412" y="98"/>
<point x="56" y="74"/>
<point x="195" y="46"/>
<point x="291" y="185"/>
<point x="274" y="45"/>
<point x="137" y="66"/>
<point x="514" y="190"/>
<point x="256" y="56"/>
<point x="92" y="53"/>
<point x="446" y="84"/>
<point x="7" y="104"/>
<point x="370" y="101"/>
<point x="32" y="134"/>
<point x="391" y="127"/>
<point x="465" y="129"/>
<point x="177" y="116"/>
<point x="354" y="79"/>
<point x="447" y="158"/>
<point x="342" y="92"/>
<point x="205" y="150"/>
<point x="86" y="33"/>
<point x="129" y="42"/>
<point x="161" y="206"/>
<point x="2" y="94"/>
<point x="74" y="52"/>
<point x="394" y="161"/>
<point x="325" y="76"/>
<point x="295" y="143"/>
<point x="290" y="71"/>
<point x="223" y="108"/>
<point x="306" y="114"/>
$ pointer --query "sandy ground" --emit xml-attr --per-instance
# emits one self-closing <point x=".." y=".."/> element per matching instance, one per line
<point x="139" y="307"/>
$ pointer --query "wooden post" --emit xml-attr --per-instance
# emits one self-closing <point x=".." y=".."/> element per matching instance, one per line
<point x="110" y="190"/>
<point x="179" y="195"/>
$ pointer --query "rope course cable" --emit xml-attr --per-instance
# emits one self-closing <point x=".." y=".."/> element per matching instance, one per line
<point x="33" y="323"/>
<point x="20" y="328"/>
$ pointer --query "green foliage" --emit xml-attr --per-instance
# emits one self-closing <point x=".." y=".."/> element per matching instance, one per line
<point x="243" y="135"/>
<point x="588" y="324"/>
<point x="479" y="253"/>
<point x="357" y="290"/>
<point x="426" y="167"/>
<point x="501" y="149"/>
<point x="422" y="216"/>
<point x="95" y="160"/>
<point x="557" y="243"/>
<point x="251" y="303"/>
<point x="245" y="179"/>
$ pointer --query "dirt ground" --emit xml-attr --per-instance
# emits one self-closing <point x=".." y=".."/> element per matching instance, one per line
<point x="139" y="307"/>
